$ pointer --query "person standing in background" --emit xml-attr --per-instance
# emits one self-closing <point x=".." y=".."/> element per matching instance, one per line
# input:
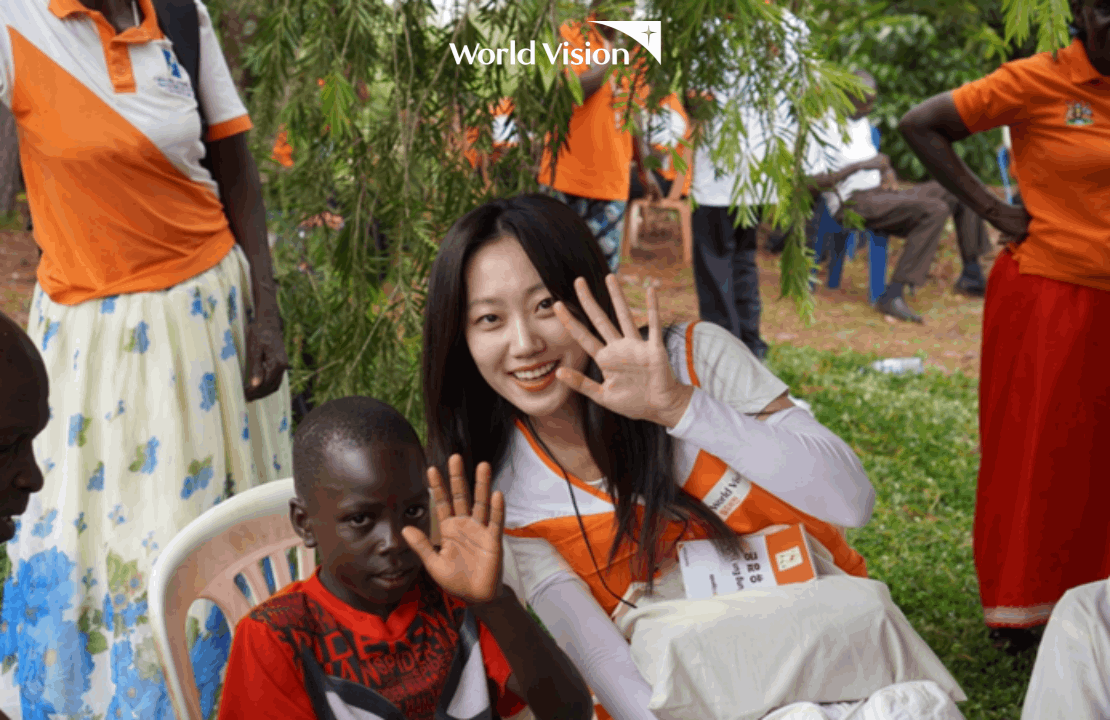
<point x="591" y="172"/>
<point x="1044" y="393"/>
<point x="157" y="319"/>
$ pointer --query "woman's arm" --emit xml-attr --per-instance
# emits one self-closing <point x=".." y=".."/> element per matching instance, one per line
<point x="586" y="634"/>
<point x="235" y="172"/>
<point x="930" y="129"/>
<point x="790" y="454"/>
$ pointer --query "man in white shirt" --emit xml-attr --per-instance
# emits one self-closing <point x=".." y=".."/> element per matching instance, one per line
<point x="861" y="179"/>
<point x="725" y="272"/>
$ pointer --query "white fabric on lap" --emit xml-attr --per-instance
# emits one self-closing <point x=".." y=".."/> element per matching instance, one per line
<point x="739" y="656"/>
<point x="1071" y="678"/>
<point x="920" y="700"/>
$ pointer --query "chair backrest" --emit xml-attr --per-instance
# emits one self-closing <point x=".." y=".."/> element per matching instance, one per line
<point x="232" y="543"/>
<point x="205" y="559"/>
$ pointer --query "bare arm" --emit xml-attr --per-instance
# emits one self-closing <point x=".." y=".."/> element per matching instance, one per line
<point x="640" y="150"/>
<point x="930" y="129"/>
<point x="828" y="181"/>
<point x="542" y="674"/>
<point x="236" y="174"/>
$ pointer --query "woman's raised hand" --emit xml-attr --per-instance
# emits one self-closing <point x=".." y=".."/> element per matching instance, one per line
<point x="637" y="379"/>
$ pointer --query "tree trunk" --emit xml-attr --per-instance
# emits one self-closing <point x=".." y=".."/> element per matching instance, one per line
<point x="9" y="162"/>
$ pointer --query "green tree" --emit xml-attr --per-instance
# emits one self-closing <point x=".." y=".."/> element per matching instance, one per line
<point x="375" y="105"/>
<point x="389" y="158"/>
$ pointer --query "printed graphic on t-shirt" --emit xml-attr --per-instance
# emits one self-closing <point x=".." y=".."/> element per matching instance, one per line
<point x="434" y="672"/>
<point x="177" y="80"/>
<point x="1079" y="113"/>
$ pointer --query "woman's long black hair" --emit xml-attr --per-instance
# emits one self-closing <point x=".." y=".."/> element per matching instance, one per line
<point x="466" y="416"/>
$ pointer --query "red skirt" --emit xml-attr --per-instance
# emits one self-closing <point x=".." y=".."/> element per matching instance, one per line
<point x="1042" y="513"/>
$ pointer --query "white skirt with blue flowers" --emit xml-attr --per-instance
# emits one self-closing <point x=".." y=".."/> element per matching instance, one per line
<point x="148" y="429"/>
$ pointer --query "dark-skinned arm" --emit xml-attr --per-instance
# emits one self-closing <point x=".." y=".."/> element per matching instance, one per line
<point x="543" y="676"/>
<point x="640" y="151"/>
<point x="680" y="177"/>
<point x="825" y="182"/>
<point x="234" y="170"/>
<point x="930" y="129"/>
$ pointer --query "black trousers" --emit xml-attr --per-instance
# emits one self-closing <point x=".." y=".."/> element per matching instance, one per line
<point x="726" y="275"/>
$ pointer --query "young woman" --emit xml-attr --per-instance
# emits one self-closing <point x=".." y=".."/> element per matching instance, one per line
<point x="156" y="316"/>
<point x="610" y="444"/>
<point x="1043" y="408"/>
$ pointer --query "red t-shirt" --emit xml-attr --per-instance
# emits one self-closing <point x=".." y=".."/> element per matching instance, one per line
<point x="305" y="654"/>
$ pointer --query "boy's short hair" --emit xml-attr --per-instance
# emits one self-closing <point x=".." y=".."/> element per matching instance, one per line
<point x="350" y="422"/>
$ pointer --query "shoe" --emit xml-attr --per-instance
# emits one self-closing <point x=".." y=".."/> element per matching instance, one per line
<point x="897" y="308"/>
<point x="972" y="288"/>
<point x="1015" y="641"/>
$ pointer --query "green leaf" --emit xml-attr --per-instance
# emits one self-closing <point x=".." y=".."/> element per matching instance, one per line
<point x="574" y="82"/>
<point x="97" y="643"/>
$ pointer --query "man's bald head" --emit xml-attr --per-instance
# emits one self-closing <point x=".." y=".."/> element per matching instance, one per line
<point x="24" y="393"/>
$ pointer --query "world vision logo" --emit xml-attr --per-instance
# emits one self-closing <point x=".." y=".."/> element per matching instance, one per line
<point x="648" y="33"/>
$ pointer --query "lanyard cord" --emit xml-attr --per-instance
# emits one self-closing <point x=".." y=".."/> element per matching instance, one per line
<point x="577" y="514"/>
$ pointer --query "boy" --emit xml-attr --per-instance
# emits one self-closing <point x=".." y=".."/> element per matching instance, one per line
<point x="391" y="627"/>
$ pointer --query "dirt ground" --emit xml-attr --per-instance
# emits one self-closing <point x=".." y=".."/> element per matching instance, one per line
<point x="950" y="337"/>
<point x="843" y="318"/>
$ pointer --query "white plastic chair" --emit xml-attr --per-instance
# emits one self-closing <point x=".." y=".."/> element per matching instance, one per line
<point x="202" y="562"/>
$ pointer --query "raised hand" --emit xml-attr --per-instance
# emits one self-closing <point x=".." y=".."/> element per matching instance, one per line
<point x="637" y="379"/>
<point x="468" y="562"/>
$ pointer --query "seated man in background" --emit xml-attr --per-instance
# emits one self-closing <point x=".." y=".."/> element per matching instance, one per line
<point x="861" y="179"/>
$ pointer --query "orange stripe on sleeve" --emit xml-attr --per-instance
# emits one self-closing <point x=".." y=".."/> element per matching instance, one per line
<point x="228" y="128"/>
<point x="690" y="355"/>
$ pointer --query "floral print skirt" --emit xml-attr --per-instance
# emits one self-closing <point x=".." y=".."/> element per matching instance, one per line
<point x="148" y="429"/>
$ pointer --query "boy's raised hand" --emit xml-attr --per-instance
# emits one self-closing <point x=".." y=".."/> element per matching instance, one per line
<point x="468" y="563"/>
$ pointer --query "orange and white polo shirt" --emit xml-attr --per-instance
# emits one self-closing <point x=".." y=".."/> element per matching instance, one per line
<point x="110" y="145"/>
<point x="577" y="517"/>
<point x="1058" y="110"/>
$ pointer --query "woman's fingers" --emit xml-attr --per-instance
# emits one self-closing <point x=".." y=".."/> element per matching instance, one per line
<point x="620" y="305"/>
<point x="439" y="494"/>
<point x="481" y="493"/>
<point x="460" y="496"/>
<point x="580" y="383"/>
<point x="594" y="312"/>
<point x="578" y="331"/>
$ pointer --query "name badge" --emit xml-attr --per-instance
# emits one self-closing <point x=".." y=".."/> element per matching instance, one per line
<point x="777" y="558"/>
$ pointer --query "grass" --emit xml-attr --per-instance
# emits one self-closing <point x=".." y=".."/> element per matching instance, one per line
<point x="917" y="437"/>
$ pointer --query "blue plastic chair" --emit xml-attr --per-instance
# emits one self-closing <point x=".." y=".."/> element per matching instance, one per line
<point x="1004" y="168"/>
<point x="843" y="242"/>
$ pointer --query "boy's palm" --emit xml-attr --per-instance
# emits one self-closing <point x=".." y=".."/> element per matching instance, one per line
<point x="468" y="562"/>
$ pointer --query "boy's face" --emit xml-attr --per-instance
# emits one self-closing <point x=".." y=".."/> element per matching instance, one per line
<point x="23" y="415"/>
<point x="361" y="500"/>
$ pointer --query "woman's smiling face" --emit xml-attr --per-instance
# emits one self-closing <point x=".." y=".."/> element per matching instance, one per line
<point x="512" y="332"/>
